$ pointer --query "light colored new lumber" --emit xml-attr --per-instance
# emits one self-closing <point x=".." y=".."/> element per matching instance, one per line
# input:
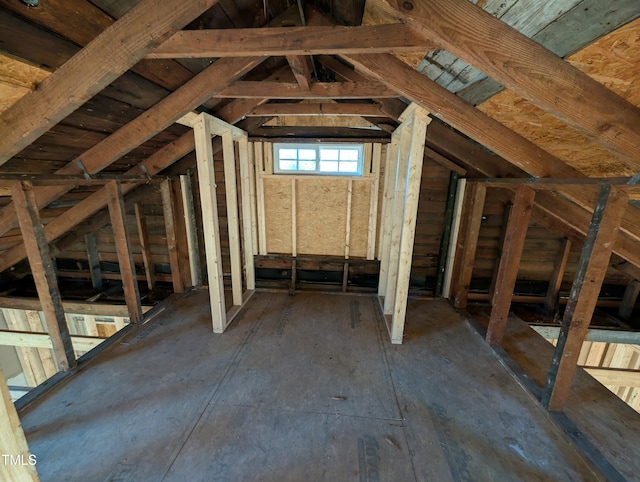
<point x="294" y="219"/>
<point x="248" y="247"/>
<point x="233" y="223"/>
<point x="29" y="339"/>
<point x="453" y="241"/>
<point x="347" y="241"/>
<point x="190" y="227"/>
<point x="373" y="200"/>
<point x="616" y="377"/>
<point x="259" y="172"/>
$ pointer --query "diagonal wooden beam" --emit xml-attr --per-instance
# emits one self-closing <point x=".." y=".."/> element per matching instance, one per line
<point x="109" y="55"/>
<point x="515" y="149"/>
<point x="527" y="68"/>
<point x="318" y="90"/>
<point x="301" y="70"/>
<point x="590" y="274"/>
<point x="142" y="128"/>
<point x="286" y="41"/>
<point x="44" y="275"/>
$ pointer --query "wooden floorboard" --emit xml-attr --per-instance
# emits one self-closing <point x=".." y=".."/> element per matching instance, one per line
<point x="303" y="387"/>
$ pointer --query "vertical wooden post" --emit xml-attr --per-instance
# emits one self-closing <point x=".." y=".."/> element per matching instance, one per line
<point x="261" y="216"/>
<point x="467" y="243"/>
<point x="44" y="276"/>
<point x="233" y="225"/>
<point x="14" y="443"/>
<point x="294" y="219"/>
<point x="592" y="267"/>
<point x="248" y="219"/>
<point x="94" y="260"/>
<point x="512" y="246"/>
<point x="168" y="204"/>
<point x="390" y="170"/>
<point x="143" y="235"/>
<point x="191" y="228"/>
<point x="408" y="226"/>
<point x="253" y="200"/>
<point x="181" y="233"/>
<point x="206" y="178"/>
<point x="503" y="234"/>
<point x="559" y="266"/>
<point x="123" y="250"/>
<point x="347" y="239"/>
<point x="446" y="232"/>
<point x="453" y="242"/>
<point x="396" y="216"/>
<point x="629" y="299"/>
<point x="373" y="200"/>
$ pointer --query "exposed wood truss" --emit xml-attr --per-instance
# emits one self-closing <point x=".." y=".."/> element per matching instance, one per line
<point x="317" y="90"/>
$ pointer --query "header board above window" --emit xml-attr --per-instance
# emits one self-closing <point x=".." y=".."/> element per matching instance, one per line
<point x="319" y="159"/>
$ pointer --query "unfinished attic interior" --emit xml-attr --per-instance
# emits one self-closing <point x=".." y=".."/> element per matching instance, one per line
<point x="319" y="240"/>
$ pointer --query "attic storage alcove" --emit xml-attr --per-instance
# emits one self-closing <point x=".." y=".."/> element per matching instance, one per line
<point x="142" y="203"/>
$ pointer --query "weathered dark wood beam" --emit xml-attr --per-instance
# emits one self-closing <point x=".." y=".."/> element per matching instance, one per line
<point x="319" y="109"/>
<point x="317" y="90"/>
<point x="559" y="266"/>
<point x="301" y="70"/>
<point x="93" y="257"/>
<point x="590" y="274"/>
<point x="145" y="245"/>
<point x="168" y="208"/>
<point x="44" y="274"/>
<point x="109" y="55"/>
<point x="446" y="232"/>
<point x="123" y="249"/>
<point x="629" y="299"/>
<point x="528" y="69"/>
<point x="286" y="41"/>
<point x="164" y="113"/>
<point x="512" y="246"/>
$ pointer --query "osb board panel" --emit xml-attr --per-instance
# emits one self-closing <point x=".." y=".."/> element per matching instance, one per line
<point x="277" y="207"/>
<point x="360" y="199"/>
<point x="613" y="61"/>
<point x="17" y="79"/>
<point x="322" y="201"/>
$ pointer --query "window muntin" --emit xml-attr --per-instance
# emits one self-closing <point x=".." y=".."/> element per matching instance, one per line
<point x="322" y="159"/>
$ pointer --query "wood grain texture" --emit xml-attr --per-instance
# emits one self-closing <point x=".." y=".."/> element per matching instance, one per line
<point x="530" y="70"/>
<point x="318" y="90"/>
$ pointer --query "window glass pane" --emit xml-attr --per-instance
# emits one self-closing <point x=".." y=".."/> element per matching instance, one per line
<point x="307" y="154"/>
<point x="288" y="165"/>
<point x="348" y="167"/>
<point x="288" y="153"/>
<point x="329" y="154"/>
<point x="348" y="155"/>
<point x="306" y="165"/>
<point x="329" y="166"/>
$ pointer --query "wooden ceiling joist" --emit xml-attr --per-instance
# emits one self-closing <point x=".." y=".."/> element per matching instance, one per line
<point x="527" y="68"/>
<point x="291" y="41"/>
<point x="110" y="54"/>
<point x="317" y="90"/>
<point x="318" y="109"/>
<point x="142" y="128"/>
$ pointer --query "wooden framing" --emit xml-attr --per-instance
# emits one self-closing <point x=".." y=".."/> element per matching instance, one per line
<point x="592" y="267"/>
<point x="294" y="219"/>
<point x="261" y="217"/>
<point x="446" y="233"/>
<point x="203" y="129"/>
<point x="453" y="237"/>
<point x="93" y="257"/>
<point x="43" y="274"/>
<point x="123" y="249"/>
<point x="191" y="228"/>
<point x="513" y="244"/>
<point x="318" y="109"/>
<point x="317" y="90"/>
<point x="559" y="266"/>
<point x="145" y="246"/>
<point x="14" y="443"/>
<point x="390" y="178"/>
<point x="290" y="41"/>
<point x="168" y="209"/>
<point x="402" y="199"/>
<point x="376" y="155"/>
<point x="247" y="212"/>
<point x="467" y="243"/>
<point x="629" y="299"/>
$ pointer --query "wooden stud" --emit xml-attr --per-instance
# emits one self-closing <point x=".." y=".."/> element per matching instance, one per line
<point x="384" y="245"/>
<point x="629" y="299"/>
<point x="317" y="90"/>
<point x="503" y="234"/>
<point x="34" y="323"/>
<point x="208" y="201"/>
<point x="93" y="257"/>
<point x="467" y="243"/>
<point x="145" y="246"/>
<point x="373" y="200"/>
<point x="399" y="190"/>
<point x="294" y="219"/>
<point x="14" y="443"/>
<point x="43" y="274"/>
<point x="28" y="357"/>
<point x="233" y="224"/>
<point x="347" y="241"/>
<point x="191" y="228"/>
<point x="33" y="340"/>
<point x="247" y="212"/>
<point x="261" y="217"/>
<point x="322" y="109"/>
<point x="123" y="250"/>
<point x="294" y="276"/>
<point x="513" y="244"/>
<point x="446" y="232"/>
<point x="408" y="226"/>
<point x="345" y="276"/>
<point x="559" y="266"/>
<point x="453" y="242"/>
<point x="168" y="204"/>
<point x="181" y="232"/>
<point x="592" y="267"/>
<point x="253" y="198"/>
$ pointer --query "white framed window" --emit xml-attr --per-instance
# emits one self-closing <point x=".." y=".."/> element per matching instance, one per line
<point x="322" y="159"/>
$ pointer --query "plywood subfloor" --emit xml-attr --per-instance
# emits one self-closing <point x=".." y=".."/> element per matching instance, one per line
<point x="299" y="388"/>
